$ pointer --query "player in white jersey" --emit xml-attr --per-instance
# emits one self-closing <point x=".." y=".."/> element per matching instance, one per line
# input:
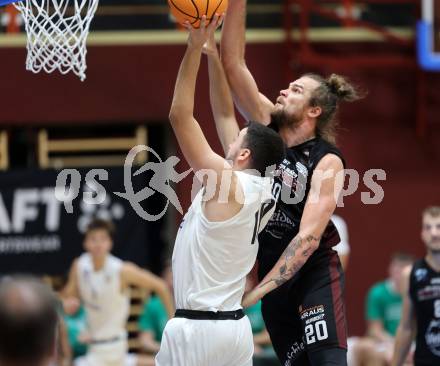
<point x="217" y="242"/>
<point x="101" y="281"/>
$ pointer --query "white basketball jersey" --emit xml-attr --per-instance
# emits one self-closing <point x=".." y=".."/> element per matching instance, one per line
<point x="107" y="307"/>
<point x="212" y="259"/>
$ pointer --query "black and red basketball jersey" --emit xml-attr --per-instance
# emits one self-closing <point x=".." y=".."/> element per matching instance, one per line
<point x="291" y="188"/>
<point x="424" y="291"/>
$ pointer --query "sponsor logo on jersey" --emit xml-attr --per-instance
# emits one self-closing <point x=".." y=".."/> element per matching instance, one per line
<point x="289" y="177"/>
<point x="429" y="293"/>
<point x="302" y="169"/>
<point x="279" y="223"/>
<point x="420" y="274"/>
<point x="315" y="319"/>
<point x="432" y="337"/>
<point x="285" y="164"/>
<point x="312" y="312"/>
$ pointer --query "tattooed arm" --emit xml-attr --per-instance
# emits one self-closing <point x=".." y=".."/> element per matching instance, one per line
<point x="326" y="185"/>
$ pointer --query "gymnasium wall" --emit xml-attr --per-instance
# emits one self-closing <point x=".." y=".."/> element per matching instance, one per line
<point x="136" y="83"/>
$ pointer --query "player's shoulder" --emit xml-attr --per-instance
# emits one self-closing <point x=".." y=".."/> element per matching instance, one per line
<point x="329" y="161"/>
<point x="419" y="263"/>
<point x="74" y="266"/>
<point x="256" y="180"/>
<point x="82" y="260"/>
<point x="127" y="266"/>
<point x="127" y="270"/>
<point x="115" y="260"/>
<point x="378" y="289"/>
<point x="379" y="286"/>
<point x="323" y="149"/>
<point x="325" y="146"/>
<point x="255" y="187"/>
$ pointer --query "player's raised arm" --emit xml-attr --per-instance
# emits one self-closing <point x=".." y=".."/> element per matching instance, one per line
<point x="191" y="139"/>
<point x="407" y="327"/>
<point x="133" y="275"/>
<point x="320" y="205"/>
<point x="252" y="104"/>
<point x="220" y="96"/>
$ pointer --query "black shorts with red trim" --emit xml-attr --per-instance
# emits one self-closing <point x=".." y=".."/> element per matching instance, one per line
<point x="306" y="316"/>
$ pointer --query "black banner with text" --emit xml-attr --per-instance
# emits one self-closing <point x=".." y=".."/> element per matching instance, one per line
<point x="43" y="215"/>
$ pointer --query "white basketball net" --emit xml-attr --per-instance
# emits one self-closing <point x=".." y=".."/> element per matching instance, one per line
<point x="56" y="37"/>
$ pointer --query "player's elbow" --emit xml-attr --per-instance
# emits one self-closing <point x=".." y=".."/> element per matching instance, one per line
<point x="173" y="115"/>
<point x="176" y="115"/>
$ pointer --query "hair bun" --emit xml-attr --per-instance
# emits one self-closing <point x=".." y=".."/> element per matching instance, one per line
<point x="342" y="88"/>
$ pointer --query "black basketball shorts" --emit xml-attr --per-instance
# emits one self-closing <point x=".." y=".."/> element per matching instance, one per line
<point x="306" y="316"/>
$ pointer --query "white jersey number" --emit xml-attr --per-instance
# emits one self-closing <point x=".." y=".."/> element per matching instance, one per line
<point x="319" y="329"/>
<point x="276" y="190"/>
<point x="265" y="208"/>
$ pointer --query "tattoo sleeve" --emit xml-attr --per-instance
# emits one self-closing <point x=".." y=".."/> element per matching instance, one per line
<point x="292" y="259"/>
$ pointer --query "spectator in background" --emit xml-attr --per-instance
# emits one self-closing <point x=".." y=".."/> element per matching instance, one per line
<point x="101" y="281"/>
<point x="343" y="248"/>
<point x="384" y="301"/>
<point x="28" y="323"/>
<point x="383" y="312"/>
<point x="421" y="306"/>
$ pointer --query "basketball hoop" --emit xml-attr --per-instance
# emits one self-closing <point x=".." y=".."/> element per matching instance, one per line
<point x="57" y="32"/>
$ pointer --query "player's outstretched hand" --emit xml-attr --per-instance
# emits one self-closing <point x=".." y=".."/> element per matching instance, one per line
<point x="199" y="36"/>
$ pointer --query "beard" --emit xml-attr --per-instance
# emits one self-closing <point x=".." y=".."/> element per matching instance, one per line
<point x="280" y="118"/>
<point x="434" y="251"/>
<point x="434" y="245"/>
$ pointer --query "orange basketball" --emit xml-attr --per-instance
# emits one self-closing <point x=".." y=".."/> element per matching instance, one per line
<point x="193" y="10"/>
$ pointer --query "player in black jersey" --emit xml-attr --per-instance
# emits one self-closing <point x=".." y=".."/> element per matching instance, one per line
<point x="421" y="306"/>
<point x="301" y="277"/>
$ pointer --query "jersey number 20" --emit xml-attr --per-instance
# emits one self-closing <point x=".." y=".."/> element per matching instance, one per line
<point x="316" y="331"/>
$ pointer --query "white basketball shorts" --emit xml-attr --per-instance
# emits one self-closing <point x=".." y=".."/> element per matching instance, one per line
<point x="189" y="342"/>
<point x="108" y="354"/>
